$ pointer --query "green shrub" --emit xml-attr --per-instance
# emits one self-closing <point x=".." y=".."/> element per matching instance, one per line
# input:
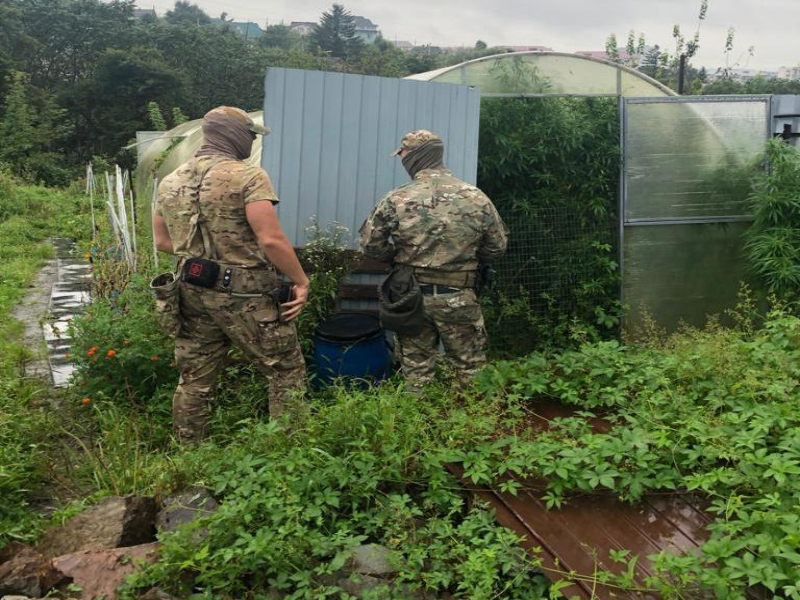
<point x="713" y="413"/>
<point x="294" y="504"/>
<point x="326" y="261"/>
<point x="773" y="242"/>
<point x="119" y="351"/>
<point x="551" y="166"/>
<point x="26" y="426"/>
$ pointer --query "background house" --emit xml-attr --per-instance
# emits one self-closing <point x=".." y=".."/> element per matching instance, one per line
<point x="366" y="29"/>
<point x="302" y="27"/>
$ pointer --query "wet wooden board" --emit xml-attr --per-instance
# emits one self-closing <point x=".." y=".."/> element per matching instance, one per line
<point x="576" y="540"/>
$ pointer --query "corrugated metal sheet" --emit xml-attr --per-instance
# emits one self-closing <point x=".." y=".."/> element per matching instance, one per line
<point x="332" y="135"/>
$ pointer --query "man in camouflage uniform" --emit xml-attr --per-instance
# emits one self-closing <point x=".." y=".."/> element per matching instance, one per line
<point x="218" y="207"/>
<point x="442" y="227"/>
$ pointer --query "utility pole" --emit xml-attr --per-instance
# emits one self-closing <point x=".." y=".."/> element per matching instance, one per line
<point x="682" y="74"/>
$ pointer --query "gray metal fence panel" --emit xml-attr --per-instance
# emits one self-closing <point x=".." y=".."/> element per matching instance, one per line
<point x="332" y="135"/>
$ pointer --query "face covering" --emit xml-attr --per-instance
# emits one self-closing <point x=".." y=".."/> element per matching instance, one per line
<point x="225" y="135"/>
<point x="428" y="156"/>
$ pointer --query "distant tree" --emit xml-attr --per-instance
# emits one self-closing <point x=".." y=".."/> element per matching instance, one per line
<point x="187" y="13"/>
<point x="756" y="85"/>
<point x="70" y="35"/>
<point x="480" y="45"/>
<point x="336" y="34"/>
<point x="630" y="47"/>
<point x="30" y="129"/>
<point x="612" y="48"/>
<point x="281" y="36"/>
<point x="178" y="118"/>
<point x="113" y="104"/>
<point x="156" y="116"/>
<point x="661" y="64"/>
<point x="422" y="59"/>
<point x="651" y="61"/>
<point x="384" y="59"/>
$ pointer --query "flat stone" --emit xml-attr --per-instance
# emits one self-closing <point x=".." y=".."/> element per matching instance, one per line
<point x="100" y="572"/>
<point x="185" y="507"/>
<point x="372" y="559"/>
<point x="115" y="522"/>
<point x="30" y="573"/>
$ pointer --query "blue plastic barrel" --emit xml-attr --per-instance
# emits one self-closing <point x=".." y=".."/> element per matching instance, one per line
<point x="351" y="345"/>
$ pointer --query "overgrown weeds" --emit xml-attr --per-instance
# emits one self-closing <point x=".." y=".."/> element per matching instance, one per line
<point x="27" y="414"/>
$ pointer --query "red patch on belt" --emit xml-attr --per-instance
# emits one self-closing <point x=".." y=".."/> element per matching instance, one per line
<point x="195" y="269"/>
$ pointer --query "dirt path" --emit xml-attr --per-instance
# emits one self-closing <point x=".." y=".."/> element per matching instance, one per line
<point x="32" y="311"/>
<point x="60" y="291"/>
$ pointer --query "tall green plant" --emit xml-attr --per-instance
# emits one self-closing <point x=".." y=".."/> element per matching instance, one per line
<point x="551" y="167"/>
<point x="773" y="243"/>
<point x="28" y="130"/>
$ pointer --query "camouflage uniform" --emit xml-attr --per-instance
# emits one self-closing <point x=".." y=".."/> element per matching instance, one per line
<point x="443" y="227"/>
<point x="213" y="318"/>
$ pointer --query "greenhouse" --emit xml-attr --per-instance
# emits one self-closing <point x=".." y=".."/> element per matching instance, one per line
<point x="636" y="198"/>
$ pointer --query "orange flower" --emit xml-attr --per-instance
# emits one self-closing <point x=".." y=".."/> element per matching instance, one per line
<point x="111" y="353"/>
<point x="86" y="401"/>
<point x="91" y="352"/>
<point x="154" y="358"/>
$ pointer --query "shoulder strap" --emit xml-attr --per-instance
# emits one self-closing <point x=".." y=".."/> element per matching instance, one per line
<point x="198" y="224"/>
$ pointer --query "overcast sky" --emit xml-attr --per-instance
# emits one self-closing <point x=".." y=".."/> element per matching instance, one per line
<point x="772" y="26"/>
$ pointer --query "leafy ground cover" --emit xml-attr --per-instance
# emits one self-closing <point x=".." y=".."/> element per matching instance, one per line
<point x="711" y="412"/>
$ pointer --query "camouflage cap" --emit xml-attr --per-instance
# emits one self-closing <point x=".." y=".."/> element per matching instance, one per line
<point x="239" y="115"/>
<point x="415" y="139"/>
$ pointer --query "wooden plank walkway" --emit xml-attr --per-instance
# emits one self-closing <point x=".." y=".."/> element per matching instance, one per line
<point x="576" y="541"/>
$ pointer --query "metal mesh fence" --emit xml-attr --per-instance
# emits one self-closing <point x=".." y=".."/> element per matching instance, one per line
<point x="559" y="274"/>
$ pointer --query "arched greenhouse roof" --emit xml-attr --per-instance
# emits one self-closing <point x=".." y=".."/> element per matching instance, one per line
<point x="548" y="73"/>
<point x="177" y="146"/>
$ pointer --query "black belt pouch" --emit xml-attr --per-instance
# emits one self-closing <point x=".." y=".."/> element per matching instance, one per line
<point x="200" y="271"/>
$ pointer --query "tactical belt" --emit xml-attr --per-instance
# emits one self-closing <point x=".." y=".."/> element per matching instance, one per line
<point x="252" y="282"/>
<point x="455" y="279"/>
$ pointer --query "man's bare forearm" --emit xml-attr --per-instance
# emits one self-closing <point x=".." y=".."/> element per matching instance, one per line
<point x="280" y="253"/>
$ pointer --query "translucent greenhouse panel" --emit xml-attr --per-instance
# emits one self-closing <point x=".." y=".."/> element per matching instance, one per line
<point x="635" y="85"/>
<point x="534" y="74"/>
<point x="691" y="159"/>
<point x="681" y="273"/>
<point x="548" y="73"/>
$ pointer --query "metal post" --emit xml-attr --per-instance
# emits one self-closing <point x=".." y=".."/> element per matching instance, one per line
<point x="682" y="74"/>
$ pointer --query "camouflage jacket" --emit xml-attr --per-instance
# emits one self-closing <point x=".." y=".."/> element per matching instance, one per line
<point x="228" y="186"/>
<point x="435" y="221"/>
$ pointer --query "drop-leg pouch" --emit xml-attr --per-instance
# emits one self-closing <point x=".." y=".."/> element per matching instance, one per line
<point x="168" y="307"/>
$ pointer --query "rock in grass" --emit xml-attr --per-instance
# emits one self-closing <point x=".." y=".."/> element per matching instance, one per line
<point x="357" y="585"/>
<point x="372" y="559"/>
<point x="185" y="507"/>
<point x="28" y="572"/>
<point x="156" y="594"/>
<point x="118" y="521"/>
<point x="100" y="572"/>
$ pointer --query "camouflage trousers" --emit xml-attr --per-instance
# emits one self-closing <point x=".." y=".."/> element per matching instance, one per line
<point x="211" y="322"/>
<point x="456" y="321"/>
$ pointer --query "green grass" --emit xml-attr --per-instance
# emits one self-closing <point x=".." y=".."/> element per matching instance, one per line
<point x="29" y="215"/>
